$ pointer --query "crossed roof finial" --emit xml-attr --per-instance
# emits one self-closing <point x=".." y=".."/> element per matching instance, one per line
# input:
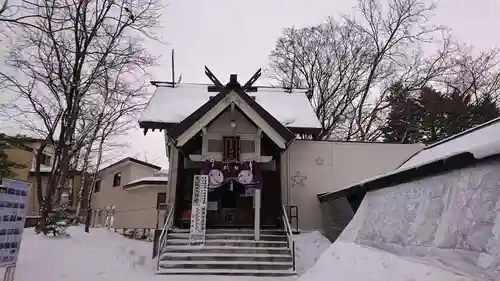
<point x="233" y="80"/>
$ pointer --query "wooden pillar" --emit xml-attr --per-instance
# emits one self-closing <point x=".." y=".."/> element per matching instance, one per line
<point x="257" y="214"/>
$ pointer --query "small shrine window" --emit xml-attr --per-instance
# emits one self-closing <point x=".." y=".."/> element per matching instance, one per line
<point x="231" y="148"/>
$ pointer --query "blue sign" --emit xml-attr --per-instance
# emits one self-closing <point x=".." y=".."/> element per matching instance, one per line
<point x="13" y="205"/>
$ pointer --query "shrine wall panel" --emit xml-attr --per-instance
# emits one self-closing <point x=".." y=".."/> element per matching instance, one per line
<point x="314" y="167"/>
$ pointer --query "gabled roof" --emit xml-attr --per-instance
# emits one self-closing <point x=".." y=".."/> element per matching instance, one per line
<point x="474" y="145"/>
<point x="170" y="106"/>
<point x="133" y="160"/>
<point x="192" y="119"/>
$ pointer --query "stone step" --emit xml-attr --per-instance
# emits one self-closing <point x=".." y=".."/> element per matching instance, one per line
<point x="226" y="257"/>
<point x="223" y="242"/>
<point x="226" y="249"/>
<point x="232" y="230"/>
<point x="245" y="272"/>
<point x="248" y="265"/>
<point x="238" y="236"/>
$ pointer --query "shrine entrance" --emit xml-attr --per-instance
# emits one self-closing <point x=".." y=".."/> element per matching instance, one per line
<point x="230" y="206"/>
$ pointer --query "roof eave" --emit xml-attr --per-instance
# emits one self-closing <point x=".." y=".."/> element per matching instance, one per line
<point x="145" y="182"/>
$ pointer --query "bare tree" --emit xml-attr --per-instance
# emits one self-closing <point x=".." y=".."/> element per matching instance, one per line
<point x="111" y="127"/>
<point x="396" y="35"/>
<point x="62" y="48"/>
<point x="330" y="60"/>
<point x="477" y="75"/>
<point x="112" y="112"/>
<point x="350" y="64"/>
<point x="4" y="6"/>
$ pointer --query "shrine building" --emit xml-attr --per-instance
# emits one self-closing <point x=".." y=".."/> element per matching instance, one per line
<point x="249" y="154"/>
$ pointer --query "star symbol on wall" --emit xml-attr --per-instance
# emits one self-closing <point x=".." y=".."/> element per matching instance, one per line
<point x="319" y="161"/>
<point x="298" y="180"/>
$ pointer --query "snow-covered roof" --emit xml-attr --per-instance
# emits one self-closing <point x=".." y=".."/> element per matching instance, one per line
<point x="158" y="179"/>
<point x="154" y="180"/>
<point x="172" y="105"/>
<point x="481" y="141"/>
<point x="43" y="168"/>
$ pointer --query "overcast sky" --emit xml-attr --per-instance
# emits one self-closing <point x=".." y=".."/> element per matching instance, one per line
<point x="236" y="36"/>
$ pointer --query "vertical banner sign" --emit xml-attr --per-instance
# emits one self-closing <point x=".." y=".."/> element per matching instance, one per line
<point x="13" y="205"/>
<point x="199" y="210"/>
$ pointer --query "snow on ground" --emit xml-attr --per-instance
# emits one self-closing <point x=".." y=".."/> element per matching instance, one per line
<point x="101" y="255"/>
<point x="349" y="261"/>
<point x="104" y="255"/>
<point x="309" y="246"/>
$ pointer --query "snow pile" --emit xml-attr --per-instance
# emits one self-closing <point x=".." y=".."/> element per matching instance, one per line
<point x="102" y="255"/>
<point x="309" y="247"/>
<point x="349" y="261"/>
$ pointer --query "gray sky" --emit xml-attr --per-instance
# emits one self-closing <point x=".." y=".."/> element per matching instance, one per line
<point x="237" y="36"/>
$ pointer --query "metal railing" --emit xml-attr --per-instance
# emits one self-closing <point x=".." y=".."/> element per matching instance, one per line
<point x="289" y="234"/>
<point x="162" y="240"/>
<point x="293" y="215"/>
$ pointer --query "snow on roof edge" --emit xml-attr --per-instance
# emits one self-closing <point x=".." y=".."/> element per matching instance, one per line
<point x="479" y="152"/>
<point x="468" y="131"/>
<point x="165" y="106"/>
<point x="267" y="87"/>
<point x="148" y="179"/>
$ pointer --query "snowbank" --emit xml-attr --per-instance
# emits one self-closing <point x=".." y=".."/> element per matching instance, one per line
<point x="349" y="261"/>
<point x="101" y="255"/>
<point x="309" y="247"/>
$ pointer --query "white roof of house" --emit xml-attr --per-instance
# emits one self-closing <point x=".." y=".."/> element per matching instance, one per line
<point x="145" y="182"/>
<point x="172" y="105"/>
<point x="146" y="179"/>
<point x="43" y="168"/>
<point x="481" y="141"/>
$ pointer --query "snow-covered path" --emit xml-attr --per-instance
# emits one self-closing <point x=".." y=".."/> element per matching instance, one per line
<point x="105" y="255"/>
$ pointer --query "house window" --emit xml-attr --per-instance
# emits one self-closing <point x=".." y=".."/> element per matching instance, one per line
<point x="45" y="160"/>
<point x="161" y="200"/>
<point x="97" y="186"/>
<point x="231" y="148"/>
<point x="117" y="179"/>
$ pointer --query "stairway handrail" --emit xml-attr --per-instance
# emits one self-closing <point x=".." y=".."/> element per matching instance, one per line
<point x="289" y="234"/>
<point x="164" y="234"/>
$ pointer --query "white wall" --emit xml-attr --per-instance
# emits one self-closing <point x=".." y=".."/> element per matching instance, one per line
<point x="135" y="208"/>
<point x="138" y="171"/>
<point x="313" y="167"/>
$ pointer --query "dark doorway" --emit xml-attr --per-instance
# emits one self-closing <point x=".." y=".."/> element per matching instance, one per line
<point x="230" y="205"/>
<point x="270" y="212"/>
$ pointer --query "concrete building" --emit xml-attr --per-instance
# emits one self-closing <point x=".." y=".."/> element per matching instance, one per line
<point x="22" y="151"/>
<point x="126" y="195"/>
